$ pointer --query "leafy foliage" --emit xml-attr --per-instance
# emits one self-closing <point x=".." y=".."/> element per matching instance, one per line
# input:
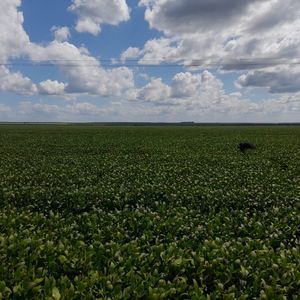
<point x="149" y="213"/>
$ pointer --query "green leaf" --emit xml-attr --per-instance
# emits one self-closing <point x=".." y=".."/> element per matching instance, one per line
<point x="55" y="293"/>
<point x="62" y="259"/>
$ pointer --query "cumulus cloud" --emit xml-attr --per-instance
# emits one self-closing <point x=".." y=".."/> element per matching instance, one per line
<point x="180" y="16"/>
<point x="279" y="80"/>
<point x="131" y="52"/>
<point x="83" y="73"/>
<point x="51" y="87"/>
<point x="61" y="34"/>
<point x="250" y="31"/>
<point x="93" y="13"/>
<point x="14" y="42"/>
<point x="201" y="96"/>
<point x="186" y="84"/>
<point x="155" y="51"/>
<point x="16" y="82"/>
<point x="219" y="31"/>
<point x="155" y="91"/>
<point x="185" y="88"/>
<point x="13" y="38"/>
<point x="233" y="35"/>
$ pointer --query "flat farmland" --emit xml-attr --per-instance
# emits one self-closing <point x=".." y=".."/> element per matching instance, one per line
<point x="140" y="212"/>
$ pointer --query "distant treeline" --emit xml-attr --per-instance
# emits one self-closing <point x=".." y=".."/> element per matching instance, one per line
<point x="148" y="124"/>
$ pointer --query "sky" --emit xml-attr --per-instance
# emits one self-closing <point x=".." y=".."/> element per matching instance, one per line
<point x="150" y="60"/>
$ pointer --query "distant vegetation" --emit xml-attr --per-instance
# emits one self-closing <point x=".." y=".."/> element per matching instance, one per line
<point x="149" y="212"/>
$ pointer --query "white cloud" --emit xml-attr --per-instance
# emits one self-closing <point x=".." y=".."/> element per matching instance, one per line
<point x="93" y="13"/>
<point x="51" y="87"/>
<point x="131" y="52"/>
<point x="223" y="31"/>
<point x="155" y="51"/>
<point x="16" y="82"/>
<point x="278" y="80"/>
<point x="14" y="42"/>
<point x="248" y="32"/>
<point x="208" y="103"/>
<point x="180" y="16"/>
<point x="155" y="91"/>
<point x="202" y="95"/>
<point x="61" y="34"/>
<point x="13" y="38"/>
<point x="188" y="85"/>
<point x="158" y="50"/>
<point x="83" y="72"/>
<point x="262" y="36"/>
<point x="185" y="88"/>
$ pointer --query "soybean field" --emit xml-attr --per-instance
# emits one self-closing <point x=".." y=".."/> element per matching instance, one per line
<point x="149" y="212"/>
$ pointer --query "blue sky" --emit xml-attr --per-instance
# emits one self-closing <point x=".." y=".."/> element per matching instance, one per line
<point x="150" y="60"/>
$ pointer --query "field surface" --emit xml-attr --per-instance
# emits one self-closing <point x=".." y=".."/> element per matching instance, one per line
<point x="114" y="212"/>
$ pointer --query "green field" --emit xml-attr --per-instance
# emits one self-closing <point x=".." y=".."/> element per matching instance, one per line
<point x="115" y="212"/>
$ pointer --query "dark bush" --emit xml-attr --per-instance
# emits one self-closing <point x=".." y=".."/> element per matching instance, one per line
<point x="246" y="146"/>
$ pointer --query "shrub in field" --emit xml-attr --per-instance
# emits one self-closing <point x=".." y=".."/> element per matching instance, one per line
<point x="246" y="146"/>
